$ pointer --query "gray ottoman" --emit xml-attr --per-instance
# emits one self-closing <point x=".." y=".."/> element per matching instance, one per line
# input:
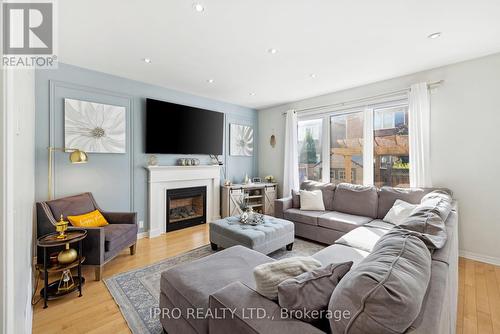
<point x="265" y="238"/>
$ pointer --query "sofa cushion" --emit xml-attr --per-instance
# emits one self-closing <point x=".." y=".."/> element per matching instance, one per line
<point x="363" y="238"/>
<point x="339" y="253"/>
<point x="328" y="190"/>
<point x="385" y="292"/>
<point x="380" y="224"/>
<point x="72" y="205"/>
<point x="311" y="290"/>
<point x="388" y="195"/>
<point x="187" y="288"/>
<point x="295" y="199"/>
<point x="427" y="219"/>
<point x="119" y="236"/>
<point x="342" y="221"/>
<point x="311" y="200"/>
<point x="304" y="217"/>
<point x="269" y="275"/>
<point x="356" y="200"/>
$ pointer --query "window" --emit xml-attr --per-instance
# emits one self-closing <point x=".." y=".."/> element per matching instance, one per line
<point x="346" y="148"/>
<point x="390" y="147"/>
<point x="309" y="145"/>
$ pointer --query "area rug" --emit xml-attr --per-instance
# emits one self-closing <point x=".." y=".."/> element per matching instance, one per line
<point x="137" y="292"/>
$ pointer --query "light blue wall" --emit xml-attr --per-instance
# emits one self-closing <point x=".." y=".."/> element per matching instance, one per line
<point x="118" y="181"/>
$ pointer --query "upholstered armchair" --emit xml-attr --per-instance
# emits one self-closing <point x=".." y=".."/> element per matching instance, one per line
<point x="102" y="244"/>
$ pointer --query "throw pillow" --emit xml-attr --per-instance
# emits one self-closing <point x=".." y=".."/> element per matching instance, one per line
<point x="399" y="212"/>
<point x="385" y="292"/>
<point x="269" y="275"/>
<point x="312" y="200"/>
<point x="91" y="219"/>
<point x="311" y="291"/>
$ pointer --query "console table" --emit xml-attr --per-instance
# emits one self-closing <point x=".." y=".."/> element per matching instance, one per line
<point x="260" y="196"/>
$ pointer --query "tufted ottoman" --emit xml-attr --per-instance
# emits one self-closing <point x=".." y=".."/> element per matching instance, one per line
<point x="265" y="238"/>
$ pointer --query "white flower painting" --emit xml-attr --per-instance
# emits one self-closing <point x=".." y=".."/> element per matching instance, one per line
<point x="241" y="140"/>
<point x="94" y="127"/>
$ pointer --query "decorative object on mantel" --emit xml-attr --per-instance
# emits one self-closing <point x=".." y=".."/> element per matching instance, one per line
<point x="76" y="157"/>
<point x="94" y="127"/>
<point x="188" y="162"/>
<point x="241" y="140"/>
<point x="246" y="180"/>
<point x="153" y="160"/>
<point x="272" y="141"/>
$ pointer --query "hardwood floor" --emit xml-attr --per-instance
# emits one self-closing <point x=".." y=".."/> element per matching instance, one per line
<point x="96" y="311"/>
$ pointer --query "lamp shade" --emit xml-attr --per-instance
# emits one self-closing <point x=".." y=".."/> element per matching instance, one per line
<point x="78" y="157"/>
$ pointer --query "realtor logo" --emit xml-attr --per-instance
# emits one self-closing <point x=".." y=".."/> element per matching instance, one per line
<point x="28" y="34"/>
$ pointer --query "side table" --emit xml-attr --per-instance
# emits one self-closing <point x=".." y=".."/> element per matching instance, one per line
<point x="51" y="291"/>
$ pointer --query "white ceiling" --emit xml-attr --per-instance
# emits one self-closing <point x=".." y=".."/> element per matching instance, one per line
<point x="345" y="43"/>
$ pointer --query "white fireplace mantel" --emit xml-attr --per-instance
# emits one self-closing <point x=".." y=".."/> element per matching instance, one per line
<point x="162" y="178"/>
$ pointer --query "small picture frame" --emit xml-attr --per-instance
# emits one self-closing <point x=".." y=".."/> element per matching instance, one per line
<point x="256" y="180"/>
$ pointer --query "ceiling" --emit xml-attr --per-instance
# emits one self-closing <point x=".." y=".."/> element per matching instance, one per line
<point x="344" y="43"/>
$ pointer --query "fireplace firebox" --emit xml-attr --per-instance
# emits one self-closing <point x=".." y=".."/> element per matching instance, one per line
<point x="186" y="207"/>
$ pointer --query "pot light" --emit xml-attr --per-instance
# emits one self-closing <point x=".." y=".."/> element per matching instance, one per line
<point x="146" y="60"/>
<point x="434" y="35"/>
<point x="272" y="51"/>
<point x="312" y="76"/>
<point x="252" y="94"/>
<point x="198" y="7"/>
<point x="210" y="81"/>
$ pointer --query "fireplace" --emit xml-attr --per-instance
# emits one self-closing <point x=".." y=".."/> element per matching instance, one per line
<point x="186" y="207"/>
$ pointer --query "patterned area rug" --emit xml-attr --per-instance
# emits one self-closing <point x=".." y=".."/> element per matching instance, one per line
<point x="137" y="292"/>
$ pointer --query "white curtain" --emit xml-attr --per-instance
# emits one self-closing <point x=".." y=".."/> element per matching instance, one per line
<point x="291" y="170"/>
<point x="325" y="149"/>
<point x="368" y="146"/>
<point x="419" y="115"/>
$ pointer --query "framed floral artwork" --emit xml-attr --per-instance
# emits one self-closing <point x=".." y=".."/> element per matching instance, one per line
<point x="94" y="127"/>
<point x="241" y="140"/>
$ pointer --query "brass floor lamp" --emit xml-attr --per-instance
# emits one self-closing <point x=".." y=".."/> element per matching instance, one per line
<point x="76" y="157"/>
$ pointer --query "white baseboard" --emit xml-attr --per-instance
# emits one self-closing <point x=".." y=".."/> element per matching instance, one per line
<point x="154" y="233"/>
<point x="480" y="257"/>
<point x="142" y="235"/>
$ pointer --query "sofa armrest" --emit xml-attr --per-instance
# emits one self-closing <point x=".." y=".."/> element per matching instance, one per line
<point x="120" y="217"/>
<point x="242" y="310"/>
<point x="281" y="205"/>
<point x="93" y="245"/>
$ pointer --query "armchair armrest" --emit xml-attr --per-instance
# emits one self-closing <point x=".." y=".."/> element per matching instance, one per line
<point x="93" y="245"/>
<point x="281" y="205"/>
<point x="253" y="314"/>
<point x="120" y="217"/>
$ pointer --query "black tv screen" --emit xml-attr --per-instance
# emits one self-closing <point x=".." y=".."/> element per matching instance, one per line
<point x="177" y="129"/>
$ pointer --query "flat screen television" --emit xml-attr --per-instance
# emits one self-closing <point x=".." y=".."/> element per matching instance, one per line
<point x="178" y="129"/>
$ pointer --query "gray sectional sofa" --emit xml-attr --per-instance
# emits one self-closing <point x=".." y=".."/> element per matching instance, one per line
<point x="413" y="269"/>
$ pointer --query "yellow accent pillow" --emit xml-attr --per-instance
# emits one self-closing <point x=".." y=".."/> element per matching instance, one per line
<point x="91" y="219"/>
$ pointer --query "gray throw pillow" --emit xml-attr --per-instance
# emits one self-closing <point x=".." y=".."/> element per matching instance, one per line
<point x="428" y="219"/>
<point x="311" y="291"/>
<point x="384" y="293"/>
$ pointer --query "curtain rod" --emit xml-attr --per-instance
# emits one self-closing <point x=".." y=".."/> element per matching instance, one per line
<point x="368" y="98"/>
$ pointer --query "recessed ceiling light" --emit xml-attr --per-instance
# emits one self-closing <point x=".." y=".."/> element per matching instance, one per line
<point x="272" y="51"/>
<point x="434" y="35"/>
<point x="198" y="7"/>
<point x="146" y="60"/>
<point x="312" y="75"/>
<point x="252" y="94"/>
<point x="210" y="80"/>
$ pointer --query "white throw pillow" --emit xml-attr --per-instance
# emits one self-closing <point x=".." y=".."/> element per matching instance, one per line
<point x="269" y="275"/>
<point x="311" y="200"/>
<point x="399" y="212"/>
